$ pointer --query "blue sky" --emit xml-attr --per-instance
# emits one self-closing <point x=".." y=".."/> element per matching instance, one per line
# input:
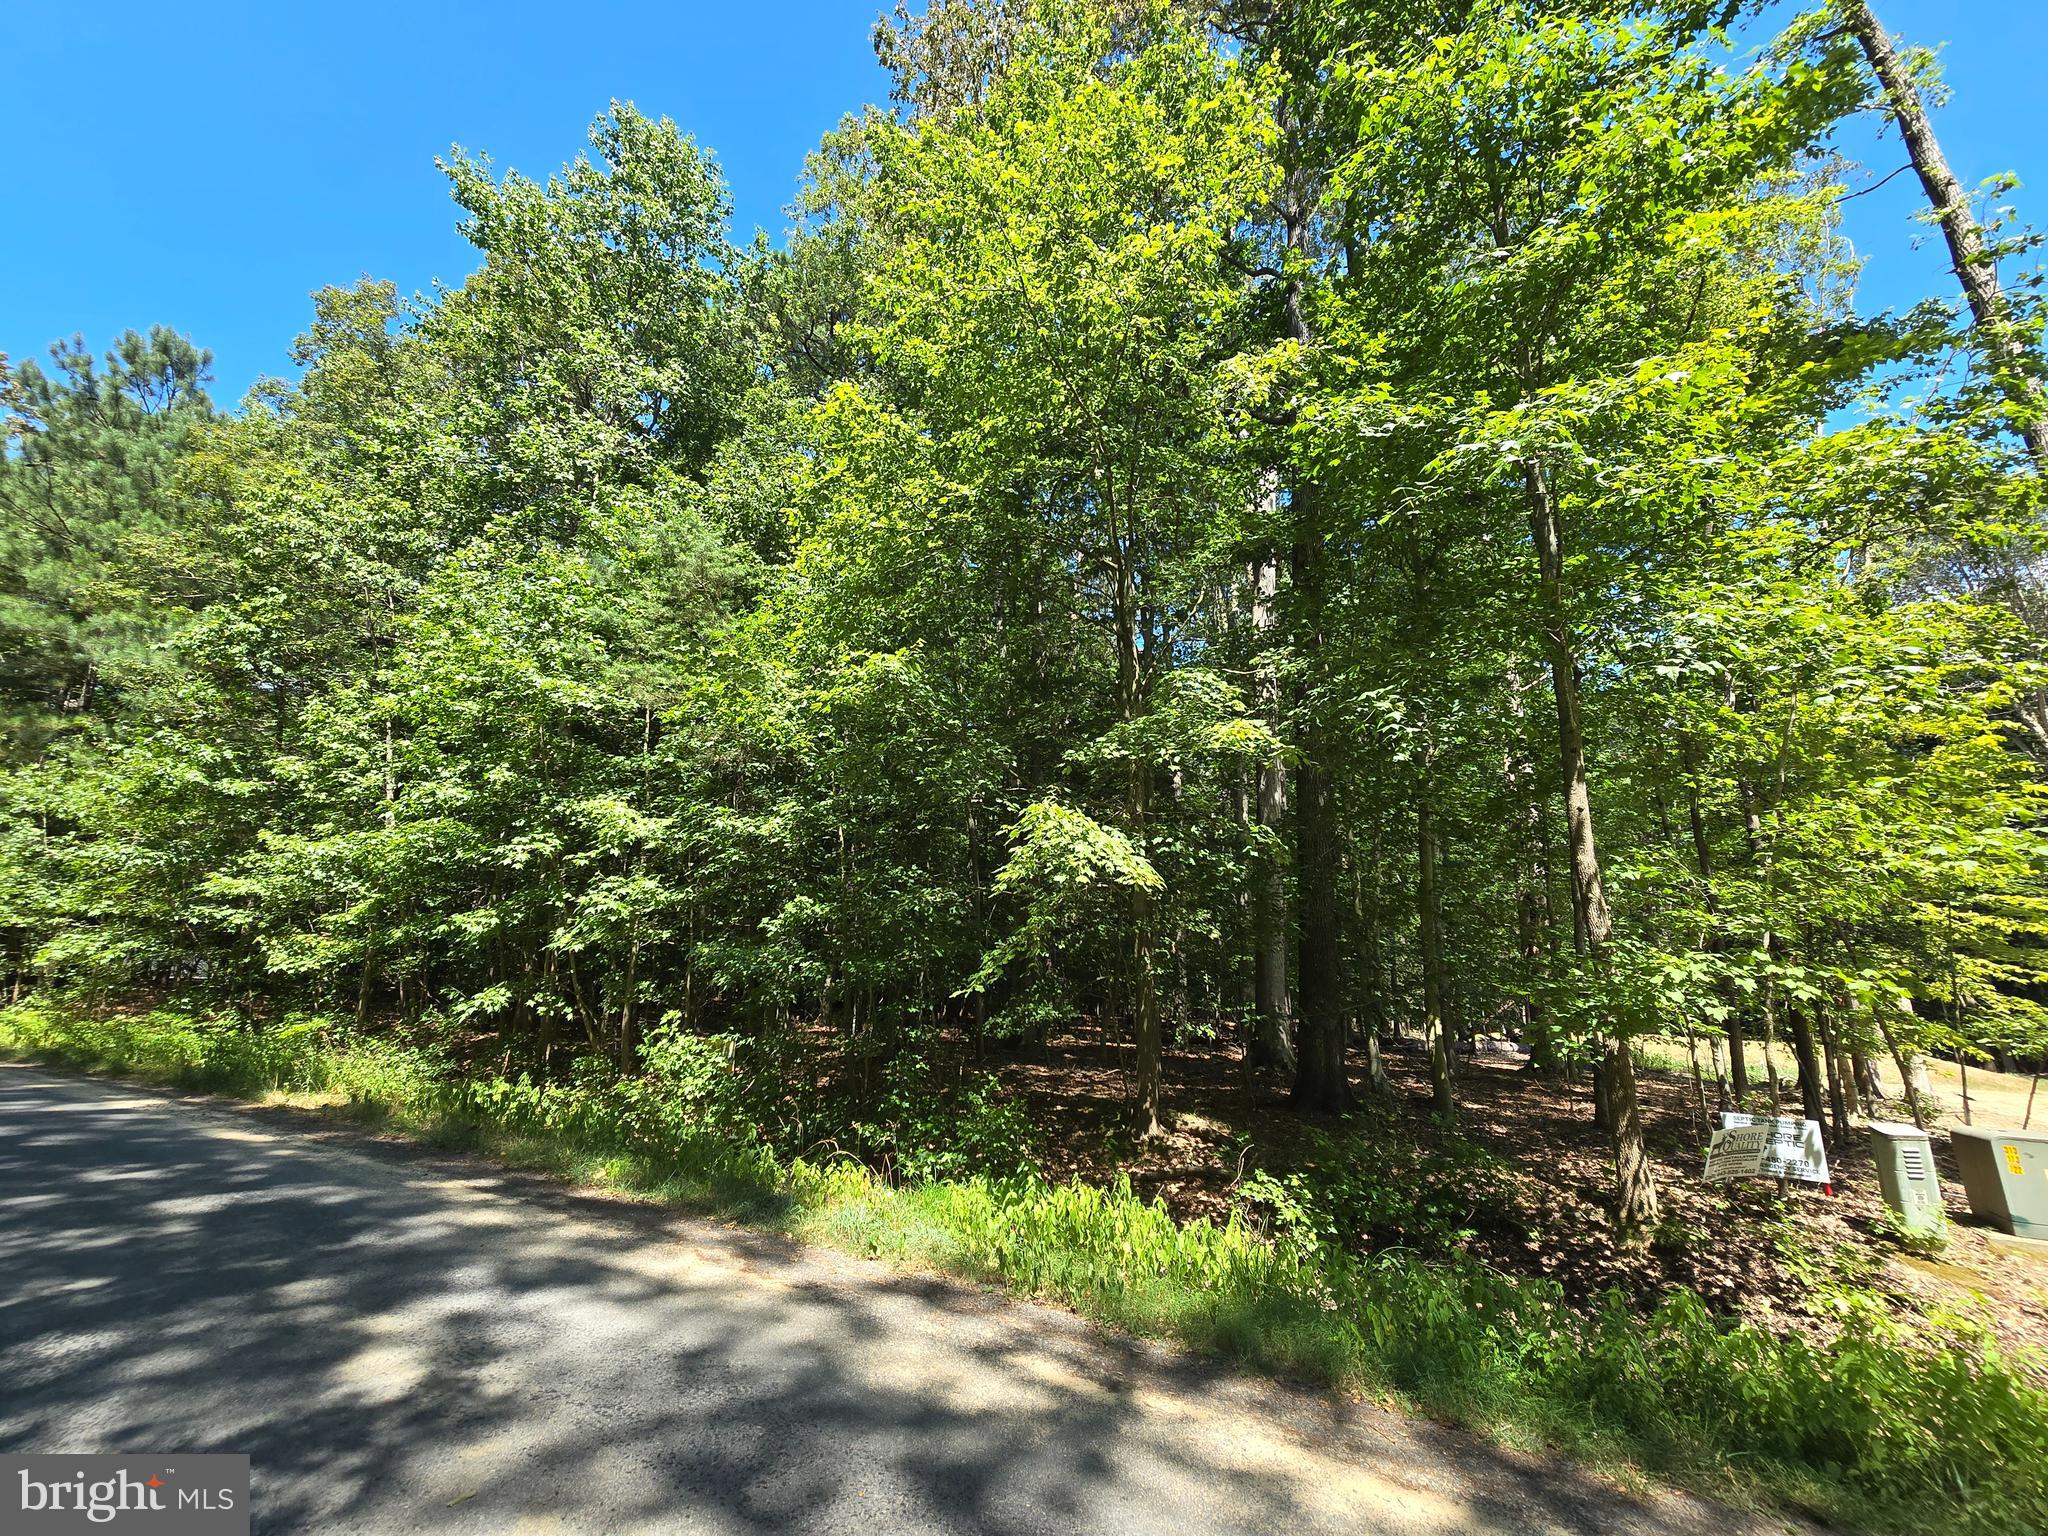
<point x="207" y="165"/>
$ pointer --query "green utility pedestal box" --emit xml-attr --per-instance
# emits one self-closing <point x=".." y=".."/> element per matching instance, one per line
<point x="2006" y="1175"/>
<point x="1905" y="1172"/>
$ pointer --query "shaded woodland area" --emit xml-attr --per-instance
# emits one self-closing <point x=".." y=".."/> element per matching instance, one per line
<point x="1254" y="593"/>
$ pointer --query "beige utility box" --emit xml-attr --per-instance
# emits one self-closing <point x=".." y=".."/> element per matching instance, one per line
<point x="2005" y="1174"/>
<point x="1905" y="1173"/>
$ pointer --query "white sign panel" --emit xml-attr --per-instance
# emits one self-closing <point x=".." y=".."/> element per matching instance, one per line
<point x="1747" y="1147"/>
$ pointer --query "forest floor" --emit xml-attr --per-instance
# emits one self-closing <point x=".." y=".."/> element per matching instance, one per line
<point x="1524" y="1182"/>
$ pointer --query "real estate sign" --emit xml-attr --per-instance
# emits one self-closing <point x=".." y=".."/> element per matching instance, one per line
<point x="1748" y="1147"/>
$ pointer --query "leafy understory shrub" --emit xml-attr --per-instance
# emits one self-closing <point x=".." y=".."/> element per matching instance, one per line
<point x="1927" y="1241"/>
<point x="1380" y="1191"/>
<point x="1878" y="1429"/>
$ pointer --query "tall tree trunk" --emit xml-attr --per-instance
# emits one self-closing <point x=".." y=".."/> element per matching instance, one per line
<point x="1371" y="1013"/>
<point x="1634" y="1176"/>
<point x="1145" y="999"/>
<point x="1838" y="1098"/>
<point x="1529" y="934"/>
<point x="1319" y="1077"/>
<point x="1150" y="1070"/>
<point x="1320" y="1081"/>
<point x="1429" y="914"/>
<point x="1544" y="1054"/>
<point x="629" y="1019"/>
<point x="1245" y="796"/>
<point x="1811" y="1083"/>
<point x="1271" y="1044"/>
<point x="1589" y="894"/>
<point x="1760" y="856"/>
<point x="1532" y="886"/>
<point x="1635" y="1180"/>
<point x="1909" y="1071"/>
<point x="2013" y="364"/>
<point x="1868" y="1089"/>
<point x="1738" y="1067"/>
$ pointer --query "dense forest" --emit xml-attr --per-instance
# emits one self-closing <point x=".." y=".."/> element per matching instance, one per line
<point x="1280" y="551"/>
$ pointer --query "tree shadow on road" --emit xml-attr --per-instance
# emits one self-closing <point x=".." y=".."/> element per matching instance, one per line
<point x="411" y="1342"/>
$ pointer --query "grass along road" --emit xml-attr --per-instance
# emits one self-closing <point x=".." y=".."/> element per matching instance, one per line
<point x="406" y="1340"/>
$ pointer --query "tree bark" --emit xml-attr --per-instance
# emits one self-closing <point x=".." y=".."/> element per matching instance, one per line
<point x="1245" y="796"/>
<point x="1589" y="893"/>
<point x="1811" y="1083"/>
<point x="1760" y="856"/>
<point x="1634" y="1176"/>
<point x="1320" y="1081"/>
<point x="2014" y="366"/>
<point x="1271" y="1045"/>
<point x="1838" y="1096"/>
<point x="1635" y="1180"/>
<point x="1908" y="1063"/>
<point x="1370" y="1016"/>
<point x="1532" y="887"/>
<point x="1150" y="1071"/>
<point x="1738" y="1067"/>
<point x="1131" y="691"/>
<point x="1869" y="1091"/>
<point x="1430" y="925"/>
<point x="1529" y="932"/>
